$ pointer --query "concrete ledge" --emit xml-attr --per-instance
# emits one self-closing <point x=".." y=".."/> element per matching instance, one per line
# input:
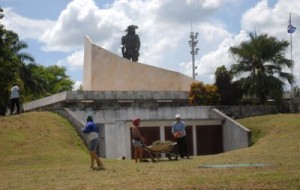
<point x="108" y="99"/>
<point x="237" y="112"/>
<point x="72" y="118"/>
<point x="54" y="99"/>
<point x="111" y="115"/>
<point x="127" y="95"/>
<point x="235" y="136"/>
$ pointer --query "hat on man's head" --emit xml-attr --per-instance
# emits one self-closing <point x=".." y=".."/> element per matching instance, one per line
<point x="136" y="121"/>
<point x="89" y="118"/>
<point x="131" y="27"/>
<point x="177" y="116"/>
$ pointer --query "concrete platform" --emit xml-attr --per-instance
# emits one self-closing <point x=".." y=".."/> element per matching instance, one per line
<point x="114" y="110"/>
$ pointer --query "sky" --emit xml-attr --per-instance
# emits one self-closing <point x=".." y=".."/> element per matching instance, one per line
<point x="55" y="30"/>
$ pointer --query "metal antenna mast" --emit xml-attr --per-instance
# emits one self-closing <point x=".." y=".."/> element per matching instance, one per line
<point x="194" y="51"/>
<point x="292" y="68"/>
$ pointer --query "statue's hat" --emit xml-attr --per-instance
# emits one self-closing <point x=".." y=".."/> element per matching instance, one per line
<point x="131" y="27"/>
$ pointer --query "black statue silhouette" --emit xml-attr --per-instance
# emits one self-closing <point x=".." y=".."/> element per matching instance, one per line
<point x="131" y="44"/>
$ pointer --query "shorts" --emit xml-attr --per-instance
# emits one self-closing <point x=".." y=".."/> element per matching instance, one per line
<point x="93" y="145"/>
<point x="136" y="143"/>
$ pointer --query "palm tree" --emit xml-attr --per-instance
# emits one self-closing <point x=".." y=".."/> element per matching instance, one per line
<point x="260" y="62"/>
<point x="13" y="67"/>
<point x="33" y="83"/>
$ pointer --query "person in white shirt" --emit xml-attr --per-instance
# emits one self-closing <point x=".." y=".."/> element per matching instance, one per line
<point x="15" y="99"/>
<point x="178" y="130"/>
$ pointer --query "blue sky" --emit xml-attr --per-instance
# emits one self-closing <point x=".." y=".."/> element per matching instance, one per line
<point x="54" y="30"/>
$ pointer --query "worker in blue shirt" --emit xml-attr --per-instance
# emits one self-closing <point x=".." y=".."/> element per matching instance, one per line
<point x="178" y="130"/>
<point x="92" y="132"/>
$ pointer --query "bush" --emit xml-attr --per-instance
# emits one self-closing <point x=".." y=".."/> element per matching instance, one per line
<point x="203" y="94"/>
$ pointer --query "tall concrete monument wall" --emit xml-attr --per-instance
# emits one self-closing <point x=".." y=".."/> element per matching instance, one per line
<point x="105" y="71"/>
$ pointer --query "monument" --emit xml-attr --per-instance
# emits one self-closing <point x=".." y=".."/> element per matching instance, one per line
<point x="131" y="44"/>
<point x="106" y="71"/>
<point x="115" y="91"/>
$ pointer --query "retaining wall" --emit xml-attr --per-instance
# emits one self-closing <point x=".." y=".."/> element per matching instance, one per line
<point x="235" y="136"/>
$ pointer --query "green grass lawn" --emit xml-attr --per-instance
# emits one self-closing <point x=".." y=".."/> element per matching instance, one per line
<point x="40" y="150"/>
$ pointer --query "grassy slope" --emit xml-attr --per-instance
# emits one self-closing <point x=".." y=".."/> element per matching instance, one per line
<point x="40" y="150"/>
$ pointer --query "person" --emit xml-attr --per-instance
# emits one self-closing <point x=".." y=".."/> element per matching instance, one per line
<point x="92" y="132"/>
<point x="15" y="99"/>
<point x="137" y="141"/>
<point x="131" y="44"/>
<point x="178" y="130"/>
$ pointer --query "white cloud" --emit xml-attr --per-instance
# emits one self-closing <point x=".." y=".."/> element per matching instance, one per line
<point x="73" y="61"/>
<point x="73" y="23"/>
<point x="81" y="18"/>
<point x="77" y="85"/>
<point x="106" y="26"/>
<point x="25" y="27"/>
<point x="164" y="28"/>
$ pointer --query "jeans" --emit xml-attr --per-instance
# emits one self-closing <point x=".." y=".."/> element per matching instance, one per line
<point x="13" y="102"/>
<point x="182" y="147"/>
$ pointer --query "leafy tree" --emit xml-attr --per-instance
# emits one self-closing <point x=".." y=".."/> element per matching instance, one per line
<point x="260" y="62"/>
<point x="9" y="64"/>
<point x="203" y="94"/>
<point x="17" y="66"/>
<point x="1" y="13"/>
<point x="296" y="91"/>
<point x="44" y="81"/>
<point x="229" y="93"/>
<point x="33" y="88"/>
<point x="55" y="79"/>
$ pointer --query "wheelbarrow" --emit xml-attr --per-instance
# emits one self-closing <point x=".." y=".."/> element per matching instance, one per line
<point x="158" y="147"/>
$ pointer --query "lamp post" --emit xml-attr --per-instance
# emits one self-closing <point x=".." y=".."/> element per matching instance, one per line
<point x="193" y="43"/>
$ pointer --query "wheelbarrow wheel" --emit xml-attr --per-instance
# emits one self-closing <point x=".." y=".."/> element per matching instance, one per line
<point x="172" y="156"/>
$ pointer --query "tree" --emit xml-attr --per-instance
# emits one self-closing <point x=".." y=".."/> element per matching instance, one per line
<point x="261" y="61"/>
<point x="55" y="79"/>
<point x="33" y="88"/>
<point x="44" y="81"/>
<point x="17" y="66"/>
<point x="203" y="94"/>
<point x="229" y="93"/>
<point x="9" y="64"/>
<point x="1" y="13"/>
<point x="296" y="91"/>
